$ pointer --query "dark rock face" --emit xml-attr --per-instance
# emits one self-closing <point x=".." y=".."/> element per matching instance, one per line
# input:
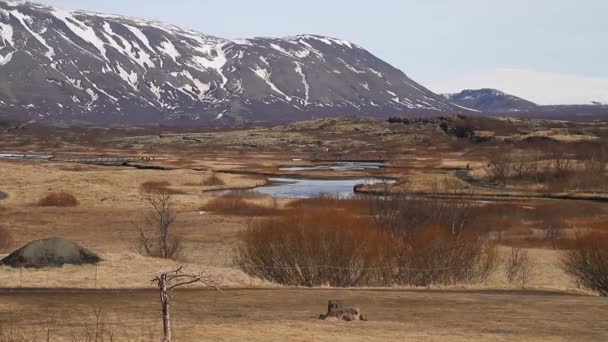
<point x="80" y="67"/>
<point x="490" y="100"/>
<point x="53" y="252"/>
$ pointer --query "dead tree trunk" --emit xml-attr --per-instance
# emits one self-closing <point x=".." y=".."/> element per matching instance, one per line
<point x="165" y="300"/>
<point x="169" y="280"/>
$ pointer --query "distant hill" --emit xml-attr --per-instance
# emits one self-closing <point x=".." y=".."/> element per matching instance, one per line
<point x="60" y="66"/>
<point x="490" y="100"/>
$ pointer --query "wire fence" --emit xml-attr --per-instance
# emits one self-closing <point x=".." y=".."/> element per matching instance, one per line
<point x="103" y="276"/>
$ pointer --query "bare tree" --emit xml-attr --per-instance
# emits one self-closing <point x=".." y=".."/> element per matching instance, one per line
<point x="553" y="231"/>
<point x="167" y="281"/>
<point x="155" y="236"/>
<point x="518" y="266"/>
<point x="499" y="167"/>
<point x="587" y="261"/>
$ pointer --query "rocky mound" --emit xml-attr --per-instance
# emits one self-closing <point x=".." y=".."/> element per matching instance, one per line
<point x="51" y="252"/>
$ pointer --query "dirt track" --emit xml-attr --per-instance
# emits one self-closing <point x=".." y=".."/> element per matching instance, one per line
<point x="290" y="314"/>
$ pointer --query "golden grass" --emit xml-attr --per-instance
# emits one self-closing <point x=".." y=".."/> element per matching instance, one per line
<point x="291" y="315"/>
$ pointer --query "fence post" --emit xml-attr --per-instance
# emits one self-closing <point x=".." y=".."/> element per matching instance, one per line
<point x="20" y="276"/>
<point x="96" y="272"/>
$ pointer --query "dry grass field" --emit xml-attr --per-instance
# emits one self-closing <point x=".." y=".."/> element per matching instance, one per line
<point x="292" y="315"/>
<point x="192" y="166"/>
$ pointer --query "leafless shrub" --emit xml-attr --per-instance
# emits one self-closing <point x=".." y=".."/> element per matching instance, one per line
<point x="434" y="255"/>
<point x="499" y="167"/>
<point x="234" y="204"/>
<point x="213" y="180"/>
<point x="98" y="331"/>
<point x="58" y="199"/>
<point x="553" y="231"/>
<point x="159" y="186"/>
<point x="518" y="266"/>
<point x="587" y="261"/>
<point x="560" y="161"/>
<point x="152" y="186"/>
<point x="156" y="237"/>
<point x="11" y="333"/>
<point x="314" y="249"/>
<point x="404" y="212"/>
<point x="341" y="249"/>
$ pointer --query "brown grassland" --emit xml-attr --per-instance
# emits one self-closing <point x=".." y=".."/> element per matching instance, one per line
<point x="550" y="188"/>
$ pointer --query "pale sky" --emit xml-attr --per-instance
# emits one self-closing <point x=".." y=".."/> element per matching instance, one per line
<point x="548" y="51"/>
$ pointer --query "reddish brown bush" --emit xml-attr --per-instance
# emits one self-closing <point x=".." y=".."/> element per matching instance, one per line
<point x="340" y="249"/>
<point x="313" y="250"/>
<point x="159" y="187"/>
<point x="151" y="186"/>
<point x="587" y="261"/>
<point x="213" y="180"/>
<point x="58" y="199"/>
<point x="325" y="201"/>
<point x="235" y="204"/>
<point x="433" y="255"/>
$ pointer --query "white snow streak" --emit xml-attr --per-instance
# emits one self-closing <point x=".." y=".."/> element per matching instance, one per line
<point x="6" y="32"/>
<point x="169" y="49"/>
<point x="140" y="57"/>
<point x="300" y="71"/>
<point x="24" y="19"/>
<point x="265" y="75"/>
<point x="81" y="29"/>
<point x="130" y="78"/>
<point x="140" y="35"/>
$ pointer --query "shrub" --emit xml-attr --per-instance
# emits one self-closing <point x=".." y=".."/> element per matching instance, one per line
<point x="433" y="255"/>
<point x="235" y="204"/>
<point x="213" y="180"/>
<point x="518" y="266"/>
<point x="156" y="236"/>
<point x="325" y="201"/>
<point x="404" y="214"/>
<point x="58" y="199"/>
<point x="159" y="187"/>
<point x="337" y="249"/>
<point x="314" y="250"/>
<point x="152" y="186"/>
<point x="587" y="261"/>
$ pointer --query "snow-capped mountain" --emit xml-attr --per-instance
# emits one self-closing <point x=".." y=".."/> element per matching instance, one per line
<point x="489" y="100"/>
<point x="62" y="66"/>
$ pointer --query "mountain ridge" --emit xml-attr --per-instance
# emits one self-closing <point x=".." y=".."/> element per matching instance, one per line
<point x="490" y="100"/>
<point x="82" y="66"/>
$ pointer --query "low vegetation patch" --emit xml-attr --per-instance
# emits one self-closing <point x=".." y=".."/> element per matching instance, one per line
<point x="213" y="180"/>
<point x="587" y="261"/>
<point x="151" y="186"/>
<point x="235" y="203"/>
<point x="324" y="201"/>
<point x="58" y="199"/>
<point x="159" y="186"/>
<point x="344" y="249"/>
<point x="314" y="250"/>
